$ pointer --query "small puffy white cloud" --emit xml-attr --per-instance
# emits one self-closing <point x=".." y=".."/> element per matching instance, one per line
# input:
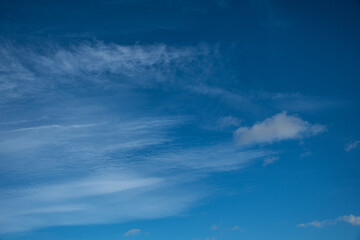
<point x="352" y="219"/>
<point x="277" y="128"/>
<point x="270" y="160"/>
<point x="132" y="232"/>
<point x="352" y="145"/>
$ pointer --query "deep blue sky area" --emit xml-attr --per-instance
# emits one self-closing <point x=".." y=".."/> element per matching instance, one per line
<point x="199" y="120"/>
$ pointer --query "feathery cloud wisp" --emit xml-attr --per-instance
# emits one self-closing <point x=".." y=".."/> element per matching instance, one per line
<point x="25" y="71"/>
<point x="352" y="146"/>
<point x="132" y="232"/>
<point x="270" y="160"/>
<point x="102" y="172"/>
<point x="352" y="219"/>
<point x="228" y="121"/>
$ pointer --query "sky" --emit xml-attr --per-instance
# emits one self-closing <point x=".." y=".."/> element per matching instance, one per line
<point x="198" y="120"/>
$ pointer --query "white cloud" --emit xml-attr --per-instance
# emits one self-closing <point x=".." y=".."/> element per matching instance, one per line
<point x="95" y="166"/>
<point x="31" y="72"/>
<point x="256" y="101"/>
<point x="214" y="227"/>
<point x="270" y="160"/>
<point x="277" y="128"/>
<point x="316" y="223"/>
<point x="234" y="99"/>
<point x="79" y="146"/>
<point x="106" y="198"/>
<point x="352" y="219"/>
<point x="228" y="121"/>
<point x="132" y="232"/>
<point x="305" y="154"/>
<point x="216" y="158"/>
<point x="109" y="170"/>
<point x="73" y="174"/>
<point x="297" y="102"/>
<point x="237" y="228"/>
<point x="352" y="145"/>
<point x="90" y="187"/>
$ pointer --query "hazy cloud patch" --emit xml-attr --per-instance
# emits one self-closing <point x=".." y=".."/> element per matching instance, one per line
<point x="132" y="232"/>
<point x="352" y="145"/>
<point x="352" y="219"/>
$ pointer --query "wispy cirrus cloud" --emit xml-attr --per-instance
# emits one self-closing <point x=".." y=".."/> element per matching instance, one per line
<point x="277" y="128"/>
<point x="133" y="231"/>
<point x="270" y="160"/>
<point x="54" y="69"/>
<point x="237" y="228"/>
<point x="228" y="121"/>
<point x="37" y="70"/>
<point x="215" y="158"/>
<point x="90" y="183"/>
<point x="214" y="227"/>
<point x="79" y="145"/>
<point x="99" y="199"/>
<point x="74" y="162"/>
<point x="278" y="101"/>
<point x="352" y="145"/>
<point x="92" y="170"/>
<point x="352" y="219"/>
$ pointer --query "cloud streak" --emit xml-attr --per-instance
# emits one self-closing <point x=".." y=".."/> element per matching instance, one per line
<point x="352" y="145"/>
<point x="29" y="71"/>
<point x="132" y="232"/>
<point x="74" y="162"/>
<point x="352" y="219"/>
<point x="105" y="198"/>
<point x="270" y="160"/>
<point x="112" y="169"/>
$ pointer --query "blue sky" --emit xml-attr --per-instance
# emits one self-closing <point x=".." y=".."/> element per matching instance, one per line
<point x="199" y="120"/>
